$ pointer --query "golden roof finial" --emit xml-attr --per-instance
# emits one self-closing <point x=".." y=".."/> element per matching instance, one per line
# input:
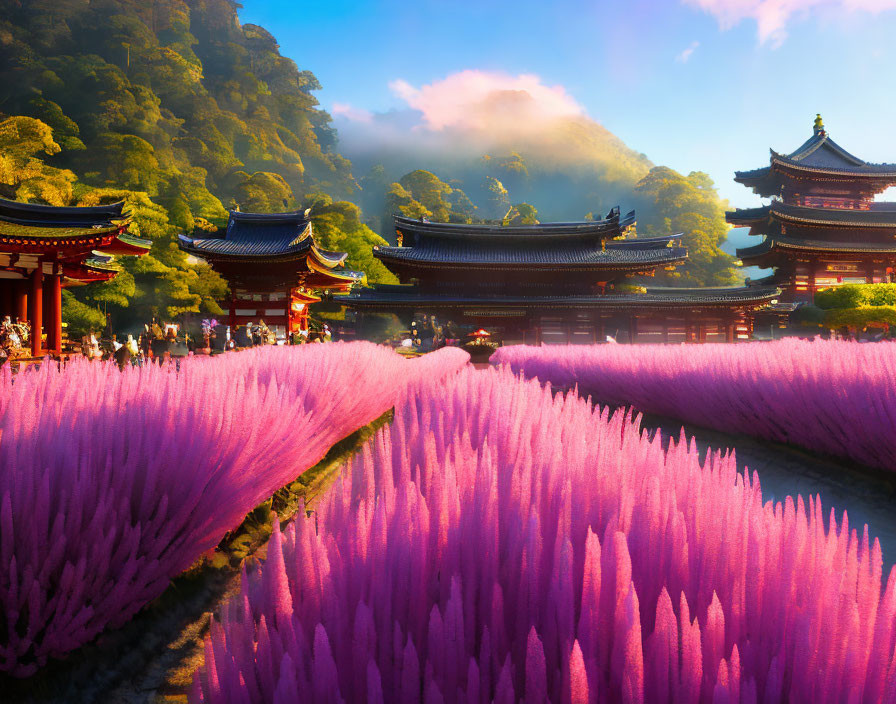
<point x="819" y="124"/>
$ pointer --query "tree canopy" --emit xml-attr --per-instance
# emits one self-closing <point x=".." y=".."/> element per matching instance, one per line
<point x="669" y="203"/>
<point x="858" y="306"/>
<point x="178" y="109"/>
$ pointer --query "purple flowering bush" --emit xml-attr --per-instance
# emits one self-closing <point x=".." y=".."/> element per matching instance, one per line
<point x="828" y="396"/>
<point x="112" y="483"/>
<point x="501" y="544"/>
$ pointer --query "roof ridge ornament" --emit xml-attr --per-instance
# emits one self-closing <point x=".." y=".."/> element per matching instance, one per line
<point x="818" y="125"/>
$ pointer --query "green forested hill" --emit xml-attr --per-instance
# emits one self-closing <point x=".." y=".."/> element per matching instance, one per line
<point x="568" y="168"/>
<point x="176" y="107"/>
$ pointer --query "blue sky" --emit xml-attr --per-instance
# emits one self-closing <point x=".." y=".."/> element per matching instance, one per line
<point x="696" y="85"/>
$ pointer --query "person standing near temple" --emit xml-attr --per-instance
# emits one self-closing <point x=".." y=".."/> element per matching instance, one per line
<point x="122" y="356"/>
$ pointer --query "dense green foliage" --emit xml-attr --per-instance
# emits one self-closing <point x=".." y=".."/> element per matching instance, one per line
<point x="856" y="296"/>
<point x="338" y="226"/>
<point x="666" y="202"/>
<point x="858" y="306"/>
<point x="670" y="203"/>
<point x="175" y="107"/>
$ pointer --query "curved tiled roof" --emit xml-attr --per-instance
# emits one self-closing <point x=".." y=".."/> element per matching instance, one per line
<point x="819" y="154"/>
<point x="37" y="215"/>
<point x="235" y="248"/>
<point x="877" y="217"/>
<point x="772" y="243"/>
<point x="455" y="253"/>
<point x="611" y="226"/>
<point x="253" y="235"/>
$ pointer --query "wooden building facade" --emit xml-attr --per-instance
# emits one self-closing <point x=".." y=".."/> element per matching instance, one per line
<point x="553" y="283"/>
<point x="44" y="249"/>
<point x="274" y="269"/>
<point x="822" y="228"/>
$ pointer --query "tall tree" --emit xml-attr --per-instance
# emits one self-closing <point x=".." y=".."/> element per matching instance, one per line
<point x="670" y="203"/>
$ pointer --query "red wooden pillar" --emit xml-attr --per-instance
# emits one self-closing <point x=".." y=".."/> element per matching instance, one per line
<point x="54" y="330"/>
<point x="36" y="309"/>
<point x="729" y="331"/>
<point x="232" y="321"/>
<point x="20" y="309"/>
<point x="632" y="329"/>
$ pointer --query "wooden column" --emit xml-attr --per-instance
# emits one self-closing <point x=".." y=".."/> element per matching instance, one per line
<point x="20" y="307"/>
<point x="632" y="329"/>
<point x="54" y="330"/>
<point x="729" y="331"/>
<point x="36" y="309"/>
<point x="232" y="321"/>
<point x="812" y="267"/>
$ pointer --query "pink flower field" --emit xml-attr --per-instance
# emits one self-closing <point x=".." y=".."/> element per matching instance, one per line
<point x="112" y="483"/>
<point x="832" y="397"/>
<point x="501" y="544"/>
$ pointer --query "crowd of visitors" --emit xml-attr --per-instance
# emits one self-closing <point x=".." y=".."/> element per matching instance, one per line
<point x="14" y="338"/>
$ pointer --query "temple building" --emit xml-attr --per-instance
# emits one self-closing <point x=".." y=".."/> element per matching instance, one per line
<point x="44" y="249"/>
<point x="823" y="227"/>
<point x="553" y="283"/>
<point x="274" y="268"/>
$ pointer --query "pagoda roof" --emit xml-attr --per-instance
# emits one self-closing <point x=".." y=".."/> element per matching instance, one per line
<point x="820" y="155"/>
<point x="770" y="244"/>
<point x="250" y="235"/>
<point x="69" y="232"/>
<point x="51" y="216"/>
<point x="262" y="237"/>
<point x="448" y="253"/>
<point x="385" y="296"/>
<point x="611" y="226"/>
<point x="880" y="215"/>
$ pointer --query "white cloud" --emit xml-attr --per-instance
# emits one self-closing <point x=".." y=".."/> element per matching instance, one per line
<point x="772" y="16"/>
<point x="349" y="112"/>
<point x="470" y="113"/>
<point x="476" y="99"/>
<point x="683" y="57"/>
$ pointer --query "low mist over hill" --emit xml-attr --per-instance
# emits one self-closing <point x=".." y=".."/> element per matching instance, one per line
<point x="535" y="139"/>
<point x="489" y="146"/>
